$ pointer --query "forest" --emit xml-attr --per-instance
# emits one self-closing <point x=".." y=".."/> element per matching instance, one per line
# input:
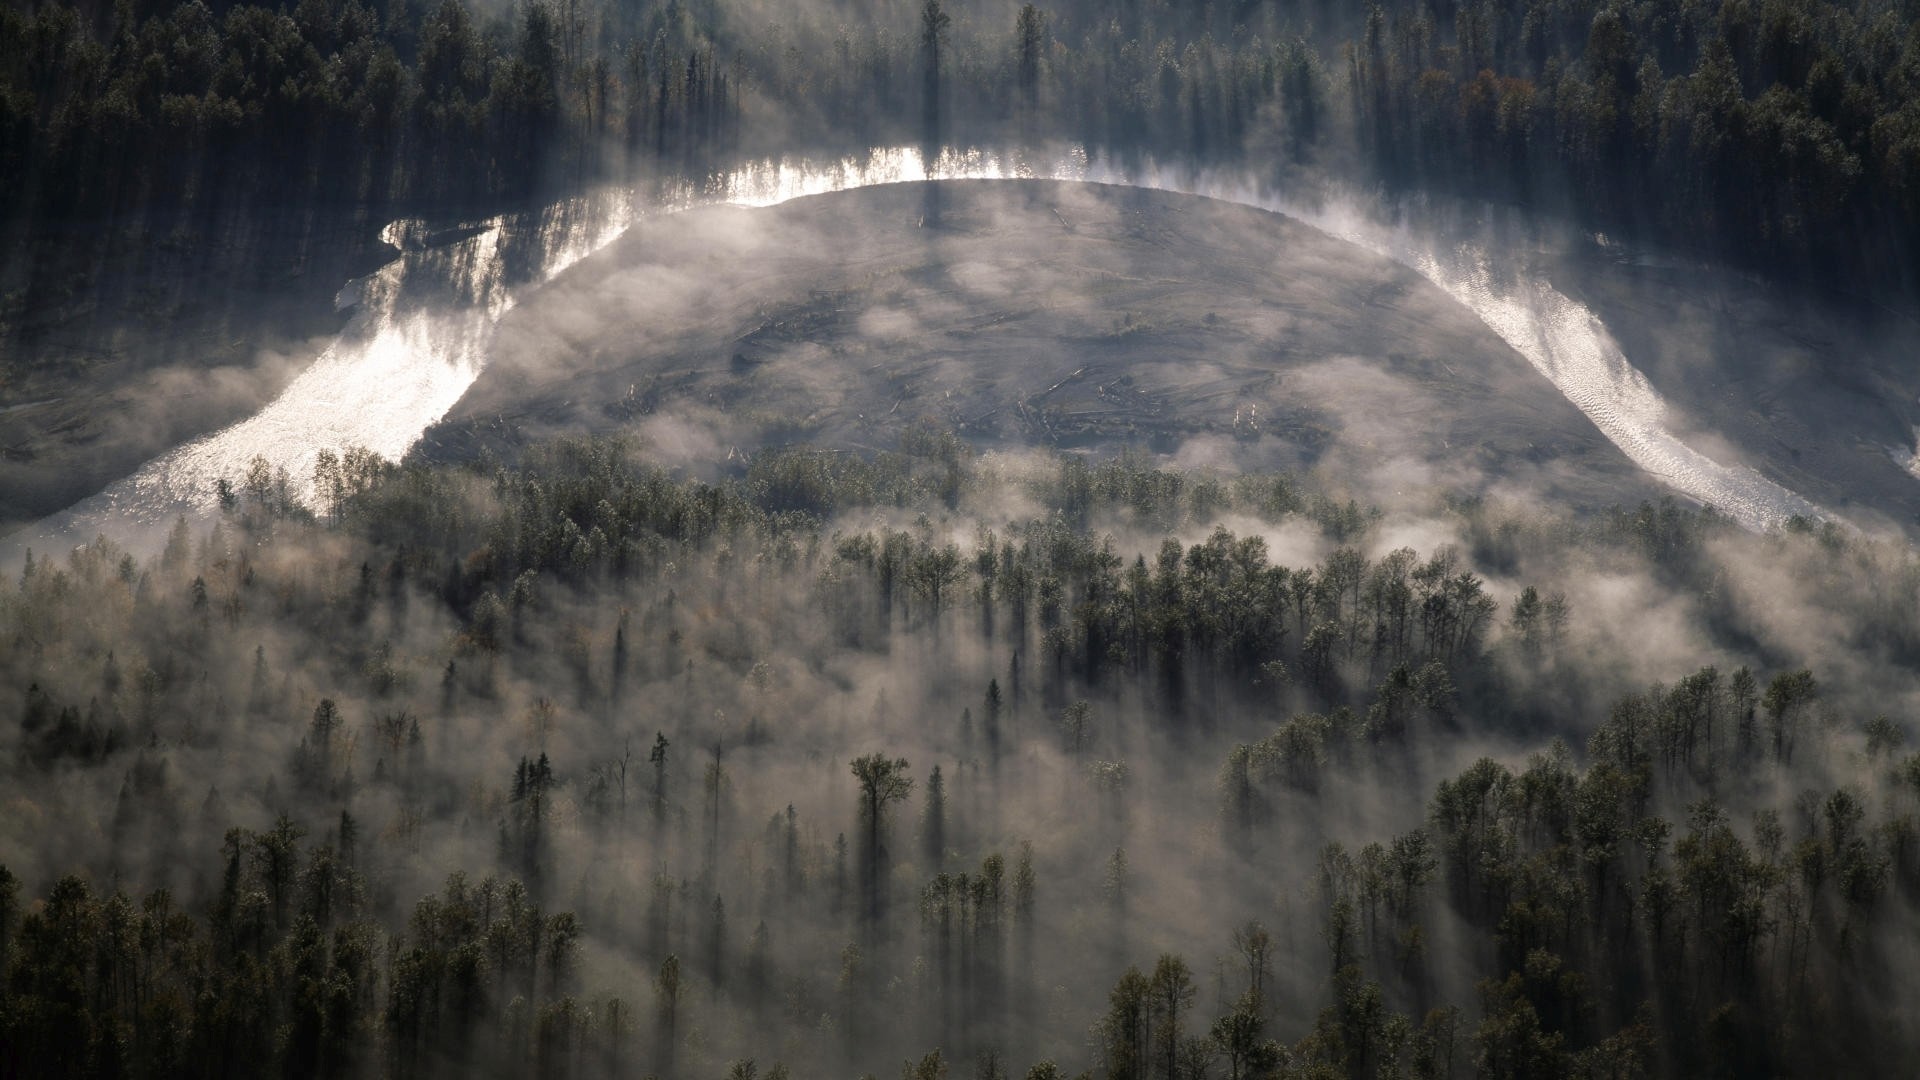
<point x="575" y="758"/>
<point x="950" y="764"/>
<point x="1783" y="135"/>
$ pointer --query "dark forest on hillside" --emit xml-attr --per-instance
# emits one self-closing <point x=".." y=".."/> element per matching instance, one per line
<point x="1781" y="133"/>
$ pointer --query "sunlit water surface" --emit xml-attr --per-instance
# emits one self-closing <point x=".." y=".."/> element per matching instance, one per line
<point x="419" y="335"/>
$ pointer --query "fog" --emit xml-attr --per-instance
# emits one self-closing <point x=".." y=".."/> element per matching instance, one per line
<point x="770" y="648"/>
<point x="422" y="329"/>
<point x="767" y="658"/>
<point x="818" y="539"/>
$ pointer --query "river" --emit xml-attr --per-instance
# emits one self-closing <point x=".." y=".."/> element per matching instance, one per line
<point x="421" y="325"/>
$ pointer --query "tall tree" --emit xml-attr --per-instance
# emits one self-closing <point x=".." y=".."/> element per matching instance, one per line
<point x="1172" y="993"/>
<point x="883" y="781"/>
<point x="658" y="758"/>
<point x="933" y="820"/>
<point x="666" y="989"/>
<point x="1030" y="32"/>
<point x="935" y="25"/>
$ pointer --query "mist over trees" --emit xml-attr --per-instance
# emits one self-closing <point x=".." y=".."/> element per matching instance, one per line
<point x="1004" y="766"/>
<point x="842" y="763"/>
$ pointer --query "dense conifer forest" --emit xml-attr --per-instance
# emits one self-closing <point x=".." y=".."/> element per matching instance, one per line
<point x="1783" y="133"/>
<point x="953" y="766"/>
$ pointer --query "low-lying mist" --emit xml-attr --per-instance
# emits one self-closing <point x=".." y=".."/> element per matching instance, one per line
<point x="1028" y="617"/>
<point x="581" y="768"/>
<point x="1030" y="313"/>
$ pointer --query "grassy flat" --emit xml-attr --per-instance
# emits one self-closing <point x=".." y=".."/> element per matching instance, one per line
<point x="1024" y="313"/>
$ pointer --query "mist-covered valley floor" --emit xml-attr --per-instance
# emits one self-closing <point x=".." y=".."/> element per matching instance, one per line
<point x="1025" y="313"/>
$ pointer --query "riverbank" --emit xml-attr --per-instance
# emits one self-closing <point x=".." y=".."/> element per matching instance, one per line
<point x="119" y="341"/>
